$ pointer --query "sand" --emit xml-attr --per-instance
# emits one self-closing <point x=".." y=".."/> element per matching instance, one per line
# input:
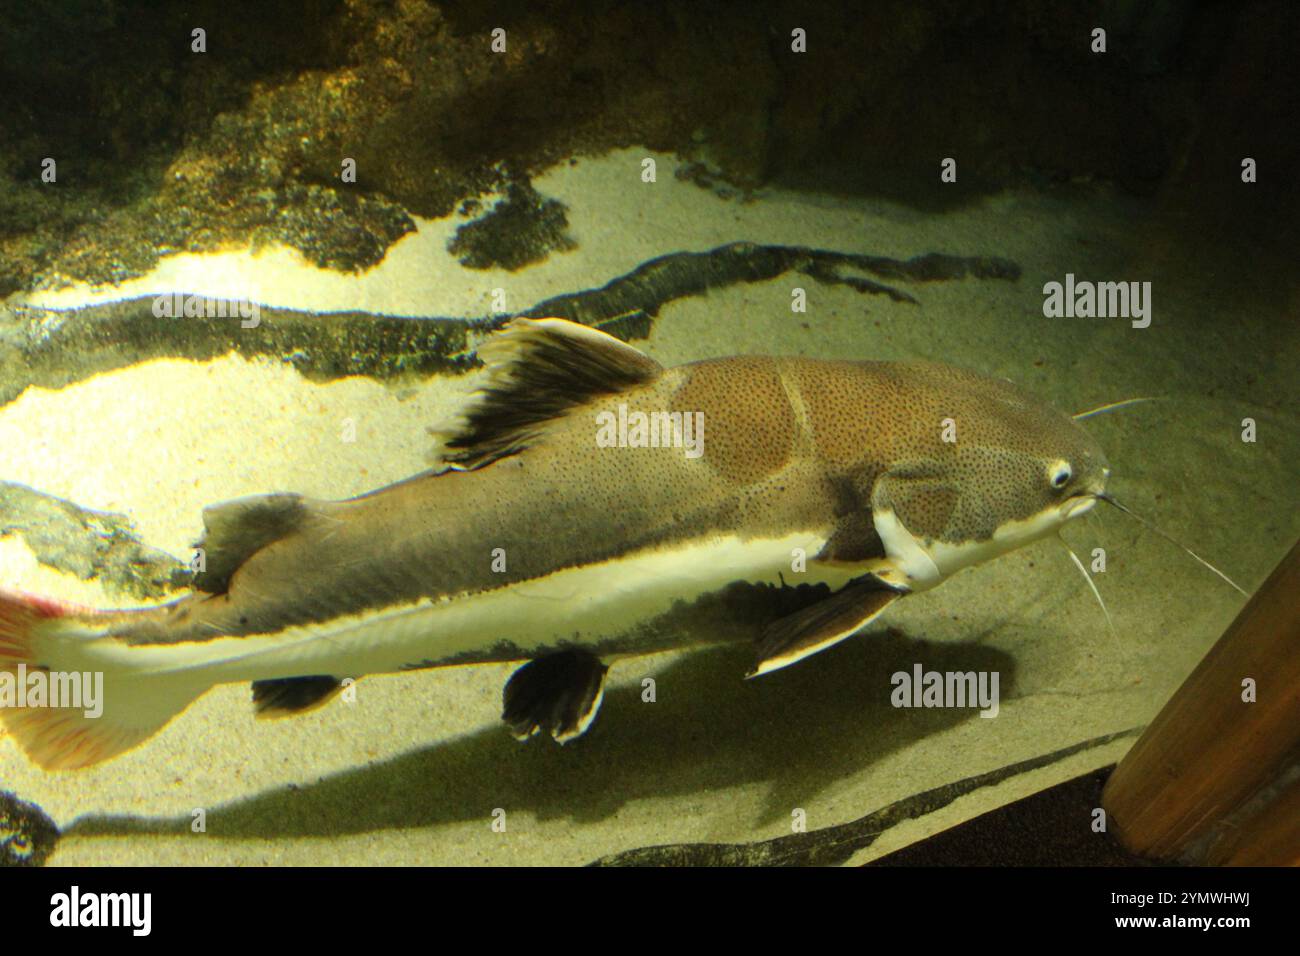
<point x="413" y="771"/>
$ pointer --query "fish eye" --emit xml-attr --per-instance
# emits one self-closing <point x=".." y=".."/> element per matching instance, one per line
<point x="1059" y="474"/>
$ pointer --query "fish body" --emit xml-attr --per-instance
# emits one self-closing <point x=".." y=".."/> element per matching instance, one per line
<point x="592" y="504"/>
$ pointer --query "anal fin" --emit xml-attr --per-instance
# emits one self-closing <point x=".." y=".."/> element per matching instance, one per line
<point x="292" y="695"/>
<point x="820" y="625"/>
<point x="558" y="694"/>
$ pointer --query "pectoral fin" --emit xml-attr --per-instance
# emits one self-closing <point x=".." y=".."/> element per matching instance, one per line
<point x="910" y="510"/>
<point x="559" y="694"/>
<point x="925" y="506"/>
<point x="820" y="625"/>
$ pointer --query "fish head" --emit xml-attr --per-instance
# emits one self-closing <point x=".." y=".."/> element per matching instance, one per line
<point x="1025" y="461"/>
<point x="988" y="468"/>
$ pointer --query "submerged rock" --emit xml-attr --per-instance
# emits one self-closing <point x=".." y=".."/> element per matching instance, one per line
<point x="53" y="348"/>
<point x="89" y="544"/>
<point x="520" y="229"/>
<point x="835" y="845"/>
<point x="27" y="834"/>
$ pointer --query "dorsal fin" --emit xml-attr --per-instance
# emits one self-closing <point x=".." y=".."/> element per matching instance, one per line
<point x="235" y="530"/>
<point x="537" y="369"/>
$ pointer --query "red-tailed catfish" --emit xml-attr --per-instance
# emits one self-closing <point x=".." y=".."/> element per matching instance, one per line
<point x="591" y="504"/>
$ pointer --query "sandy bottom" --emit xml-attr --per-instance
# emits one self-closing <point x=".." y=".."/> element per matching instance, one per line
<point x="416" y="770"/>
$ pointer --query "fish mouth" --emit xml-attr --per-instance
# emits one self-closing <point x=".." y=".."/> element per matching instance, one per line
<point x="1085" y="500"/>
<point x="1077" y="505"/>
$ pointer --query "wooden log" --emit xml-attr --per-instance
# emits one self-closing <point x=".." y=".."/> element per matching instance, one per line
<point x="1209" y="749"/>
<point x="1269" y="838"/>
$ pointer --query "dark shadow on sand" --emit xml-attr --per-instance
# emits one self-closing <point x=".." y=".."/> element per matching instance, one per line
<point x="799" y="730"/>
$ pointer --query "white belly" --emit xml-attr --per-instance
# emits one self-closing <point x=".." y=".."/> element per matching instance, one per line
<point x="581" y="605"/>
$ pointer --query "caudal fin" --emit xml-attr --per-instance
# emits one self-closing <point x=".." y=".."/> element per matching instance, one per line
<point x="47" y="663"/>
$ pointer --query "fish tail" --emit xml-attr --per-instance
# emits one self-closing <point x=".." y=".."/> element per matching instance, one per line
<point x="66" y="704"/>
